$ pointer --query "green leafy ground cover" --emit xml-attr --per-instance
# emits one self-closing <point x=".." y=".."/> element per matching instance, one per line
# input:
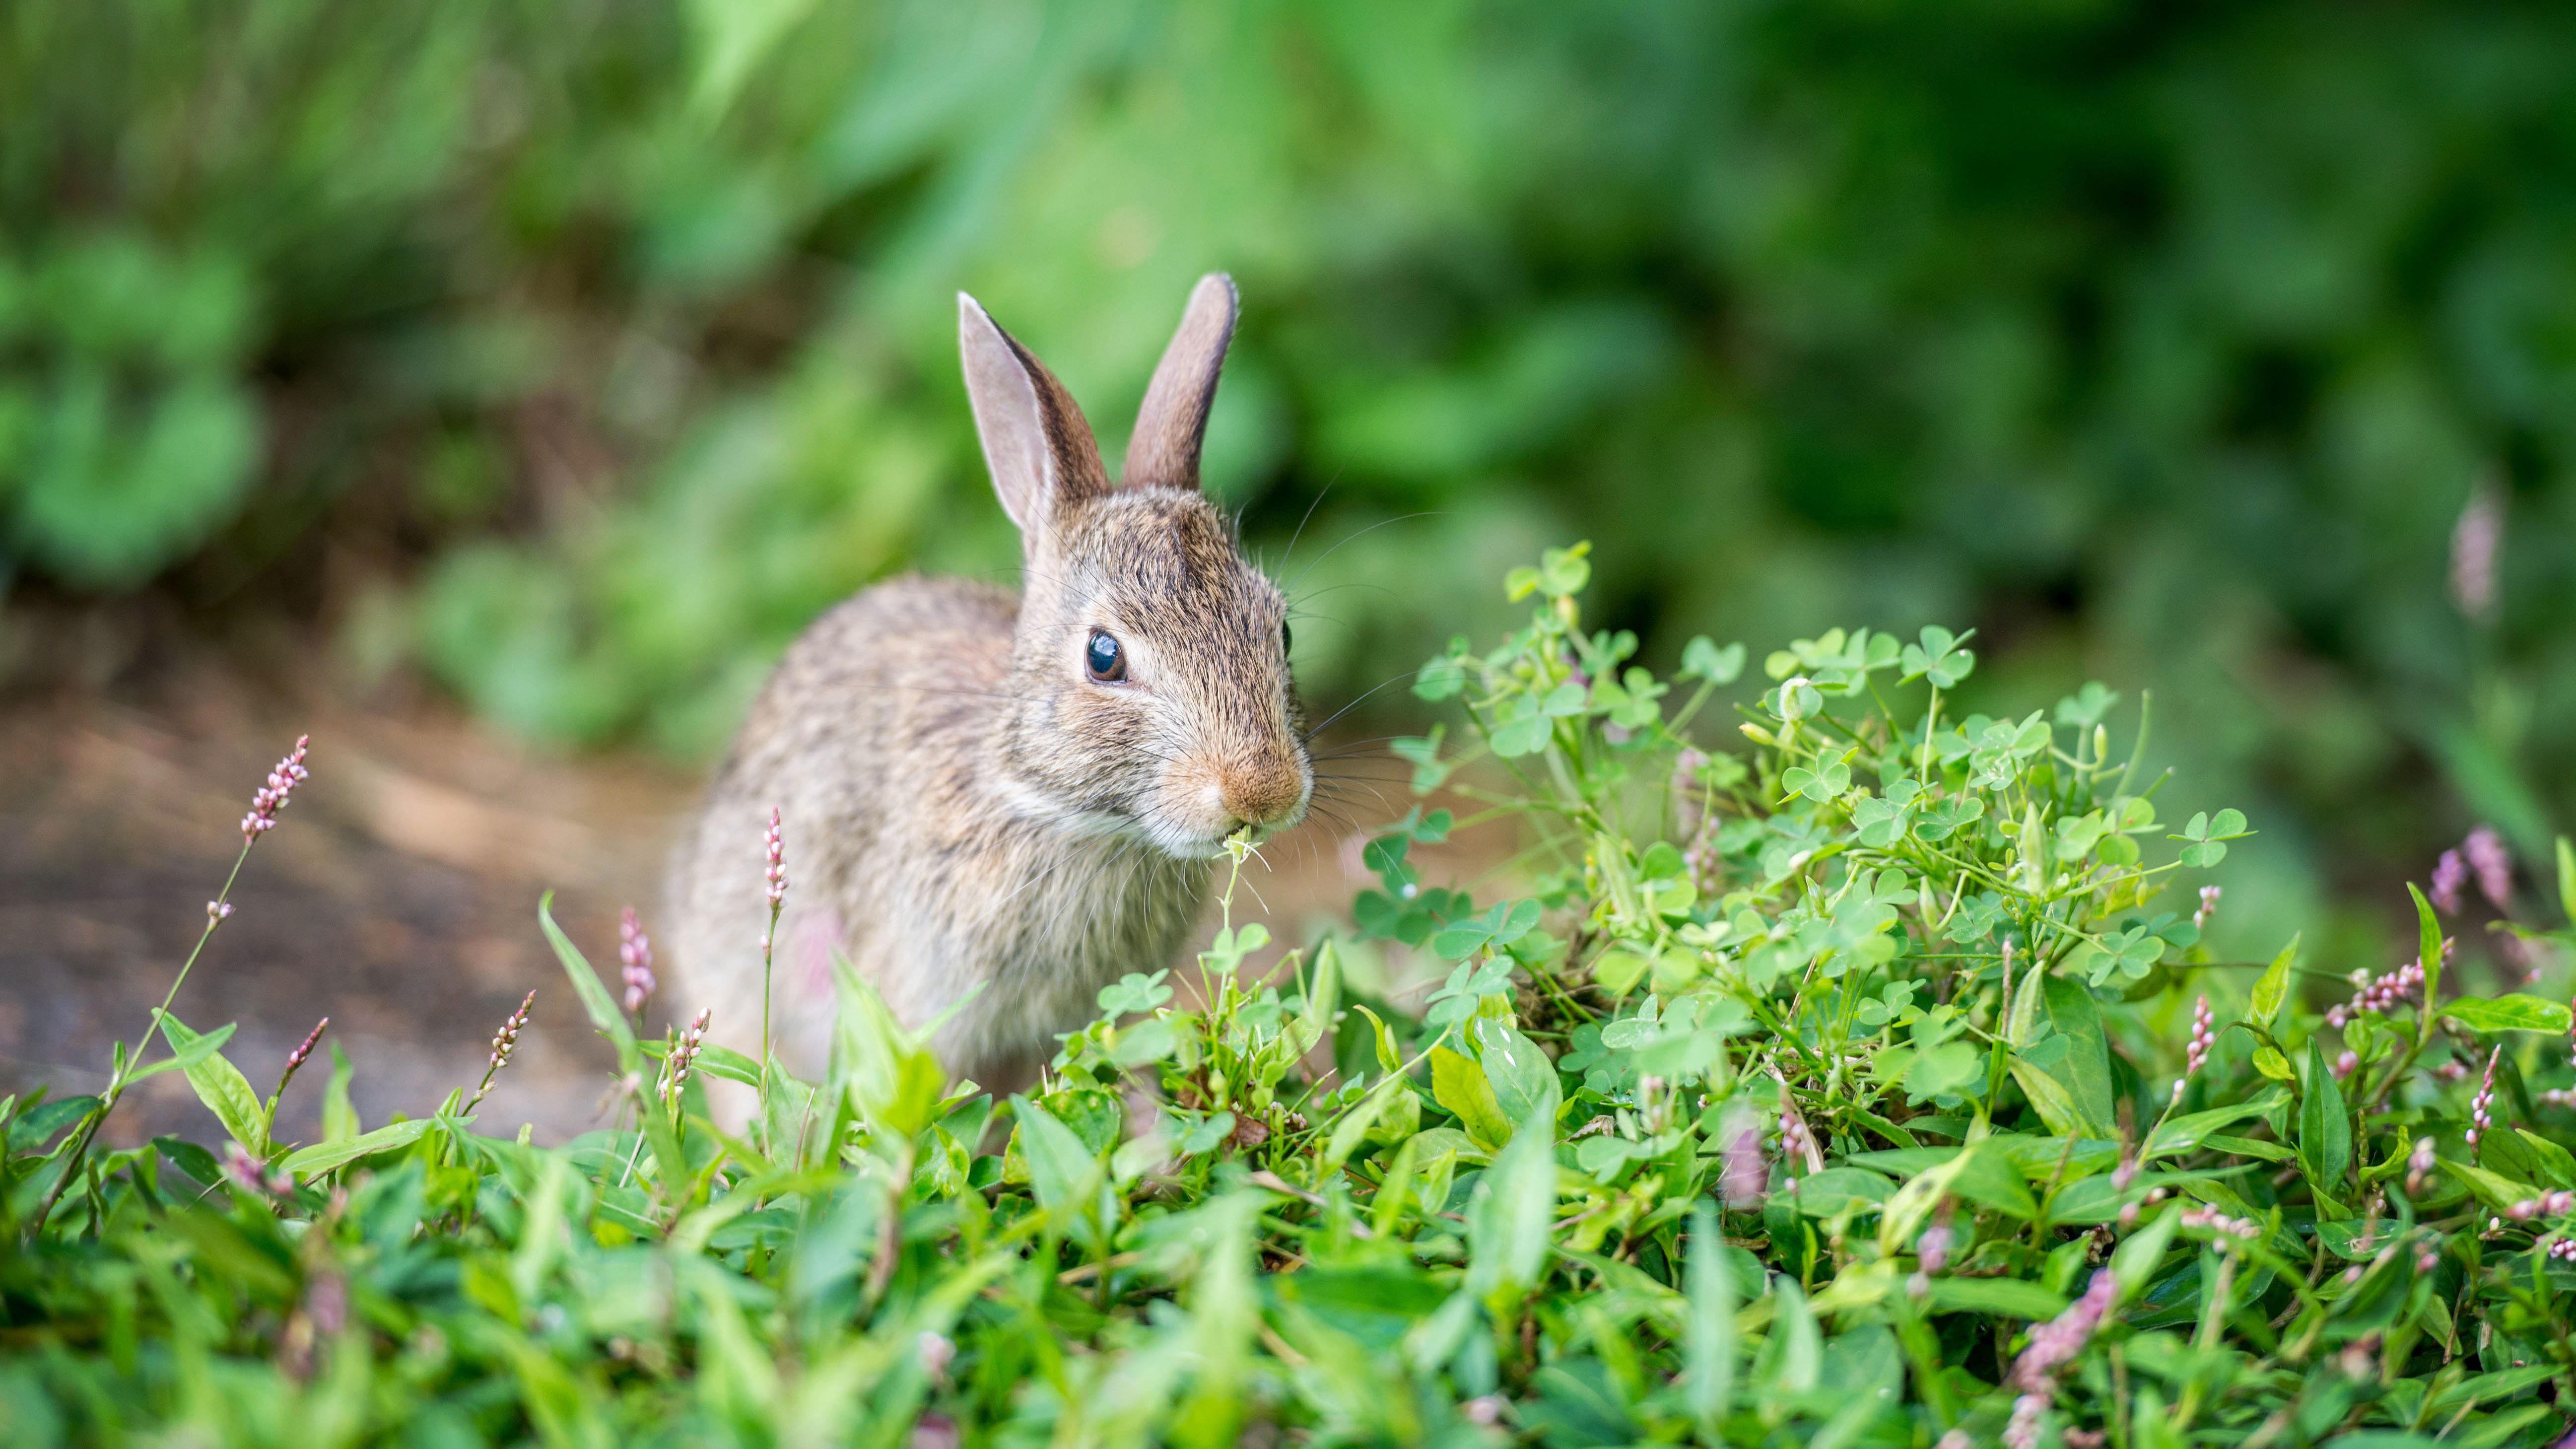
<point x="1853" y="1076"/>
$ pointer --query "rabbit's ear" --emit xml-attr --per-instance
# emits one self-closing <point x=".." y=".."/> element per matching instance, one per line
<point x="1035" y="440"/>
<point x="1173" y="421"/>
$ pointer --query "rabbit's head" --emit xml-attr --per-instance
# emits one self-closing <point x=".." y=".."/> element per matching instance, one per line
<point x="1150" y="695"/>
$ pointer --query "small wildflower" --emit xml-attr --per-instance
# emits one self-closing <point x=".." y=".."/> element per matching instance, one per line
<point x="2208" y="908"/>
<point x="2419" y="1166"/>
<point x="303" y="1053"/>
<point x="2055" y="1344"/>
<point x="2346" y="1064"/>
<point x="2219" y="1222"/>
<point x="1795" y="1140"/>
<point x="2450" y="873"/>
<point x="1746" y="1176"/>
<point x="2492" y="862"/>
<point x="252" y="1175"/>
<point x="685" y="1054"/>
<point x="271" y="796"/>
<point x="2474" y="540"/>
<point x="2023" y="1431"/>
<point x="504" y="1041"/>
<point x="2204" y="1035"/>
<point x="1485" y="1409"/>
<point x="2376" y="996"/>
<point x="218" y="911"/>
<point x="635" y="958"/>
<point x="1932" y="1250"/>
<point x="774" y="842"/>
<point x="934" y="1351"/>
<point x="2480" y="1122"/>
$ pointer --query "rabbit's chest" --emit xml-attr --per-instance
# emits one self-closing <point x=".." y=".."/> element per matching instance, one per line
<point x="1073" y="917"/>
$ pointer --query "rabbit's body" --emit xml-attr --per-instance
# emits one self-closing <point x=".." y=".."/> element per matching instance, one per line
<point x="966" y="798"/>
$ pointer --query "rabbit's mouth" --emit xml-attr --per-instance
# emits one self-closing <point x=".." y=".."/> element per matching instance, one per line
<point x="1203" y="808"/>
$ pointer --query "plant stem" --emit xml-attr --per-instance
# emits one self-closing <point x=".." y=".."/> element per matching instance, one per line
<point x="122" y="1075"/>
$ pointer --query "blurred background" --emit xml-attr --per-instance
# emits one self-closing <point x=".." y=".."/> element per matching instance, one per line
<point x="493" y="388"/>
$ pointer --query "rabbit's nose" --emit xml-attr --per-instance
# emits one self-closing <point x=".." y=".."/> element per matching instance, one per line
<point x="1262" y="795"/>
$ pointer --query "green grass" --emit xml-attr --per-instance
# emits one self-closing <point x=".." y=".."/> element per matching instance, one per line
<point x="1819" y="1086"/>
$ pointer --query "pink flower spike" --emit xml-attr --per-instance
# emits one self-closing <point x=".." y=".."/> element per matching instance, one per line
<point x="2449" y="874"/>
<point x="2204" y="1035"/>
<point x="2493" y="863"/>
<point x="2208" y="908"/>
<point x="304" y="1053"/>
<point x="2474" y="541"/>
<point x="271" y="796"/>
<point x="635" y="957"/>
<point x="775" y="844"/>
<point x="217" y="911"/>
<point x="2480" y="1122"/>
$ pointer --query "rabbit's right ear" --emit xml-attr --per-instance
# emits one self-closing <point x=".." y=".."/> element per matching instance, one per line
<point x="1036" y="441"/>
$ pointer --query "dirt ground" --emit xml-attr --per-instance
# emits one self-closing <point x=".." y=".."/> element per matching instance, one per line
<point x="397" y="896"/>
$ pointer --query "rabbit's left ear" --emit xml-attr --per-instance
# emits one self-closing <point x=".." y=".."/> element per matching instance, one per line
<point x="1164" y="450"/>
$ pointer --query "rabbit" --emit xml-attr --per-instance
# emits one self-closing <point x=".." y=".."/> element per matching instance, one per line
<point x="1023" y="792"/>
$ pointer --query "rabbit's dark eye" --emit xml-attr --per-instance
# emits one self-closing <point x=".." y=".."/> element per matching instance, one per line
<point x="1106" y="661"/>
<point x="1287" y="637"/>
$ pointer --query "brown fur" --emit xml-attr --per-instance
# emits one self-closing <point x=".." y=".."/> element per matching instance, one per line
<point x="963" y="803"/>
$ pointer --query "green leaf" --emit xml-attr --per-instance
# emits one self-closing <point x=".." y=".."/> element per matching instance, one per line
<point x="1522" y="1079"/>
<point x="2187" y="1132"/>
<point x="221" y="1086"/>
<point x="2134" y="1262"/>
<point x="1793" y="1356"/>
<point x="2517" y="1012"/>
<point x="2247" y="1147"/>
<point x="2274" y="989"/>
<point x="312" y="1162"/>
<point x="1702" y="659"/>
<point x="339" y="1118"/>
<point x="2567" y="879"/>
<point x="725" y="1062"/>
<point x="670" y="1162"/>
<point x="1525" y="731"/>
<point x="2325" y="1128"/>
<point x="1062" y="1172"/>
<point x="1511" y="1217"/>
<point x="593" y="993"/>
<point x="1443" y="677"/>
<point x="186" y="1058"/>
<point x="1708" y="1338"/>
<point x="1841" y="1189"/>
<point x="2428" y="944"/>
<point x="2004" y="1297"/>
<point x="1461" y="1086"/>
<point x="2083" y="1099"/>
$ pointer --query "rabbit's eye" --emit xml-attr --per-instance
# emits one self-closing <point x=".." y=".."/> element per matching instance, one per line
<point x="1106" y="661"/>
<point x="1287" y="638"/>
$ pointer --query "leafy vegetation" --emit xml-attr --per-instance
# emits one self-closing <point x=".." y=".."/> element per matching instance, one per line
<point x="577" y="354"/>
<point x="1857" y="1075"/>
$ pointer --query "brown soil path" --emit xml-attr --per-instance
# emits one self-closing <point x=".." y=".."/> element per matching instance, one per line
<point x="397" y="895"/>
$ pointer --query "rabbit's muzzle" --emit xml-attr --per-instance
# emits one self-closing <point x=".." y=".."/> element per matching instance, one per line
<point x="1208" y="799"/>
<point x="1264" y="796"/>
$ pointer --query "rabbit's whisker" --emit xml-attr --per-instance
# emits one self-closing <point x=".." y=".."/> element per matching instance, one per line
<point x="1363" y="533"/>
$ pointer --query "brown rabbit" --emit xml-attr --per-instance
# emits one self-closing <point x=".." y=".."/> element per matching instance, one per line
<point x="1027" y="791"/>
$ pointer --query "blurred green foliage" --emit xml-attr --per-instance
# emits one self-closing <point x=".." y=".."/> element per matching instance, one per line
<point x="581" y="352"/>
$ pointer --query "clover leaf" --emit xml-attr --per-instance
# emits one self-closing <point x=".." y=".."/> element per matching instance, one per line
<point x="2205" y="837"/>
<point x="1702" y="659"/>
<point x="1938" y="658"/>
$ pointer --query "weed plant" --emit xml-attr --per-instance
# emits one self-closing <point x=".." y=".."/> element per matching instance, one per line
<point x="1863" y="1082"/>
